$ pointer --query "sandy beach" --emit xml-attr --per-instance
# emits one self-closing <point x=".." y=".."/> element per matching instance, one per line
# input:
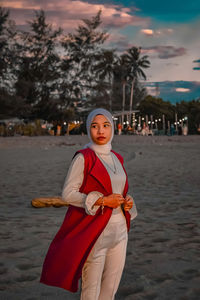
<point x="163" y="256"/>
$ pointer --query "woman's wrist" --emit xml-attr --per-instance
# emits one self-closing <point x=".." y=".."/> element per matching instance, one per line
<point x="102" y="205"/>
<point x="100" y="201"/>
<point x="104" y="200"/>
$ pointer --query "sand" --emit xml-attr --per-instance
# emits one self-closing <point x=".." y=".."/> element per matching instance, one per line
<point x="163" y="256"/>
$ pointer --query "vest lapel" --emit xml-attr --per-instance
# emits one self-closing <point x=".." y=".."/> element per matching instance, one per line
<point x="100" y="173"/>
<point x="126" y="183"/>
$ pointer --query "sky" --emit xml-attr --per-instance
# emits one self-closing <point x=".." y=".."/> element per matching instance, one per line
<point x="167" y="31"/>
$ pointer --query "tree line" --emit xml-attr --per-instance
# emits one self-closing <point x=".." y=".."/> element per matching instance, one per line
<point x="46" y="74"/>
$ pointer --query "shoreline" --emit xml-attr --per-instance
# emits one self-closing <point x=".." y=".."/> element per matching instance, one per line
<point x="71" y="140"/>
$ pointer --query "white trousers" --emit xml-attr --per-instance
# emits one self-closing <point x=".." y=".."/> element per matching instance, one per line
<point x="103" y="269"/>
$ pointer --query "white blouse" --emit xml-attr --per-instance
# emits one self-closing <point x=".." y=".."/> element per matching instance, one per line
<point x="74" y="180"/>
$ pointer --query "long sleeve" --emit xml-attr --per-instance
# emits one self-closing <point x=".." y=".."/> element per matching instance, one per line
<point x="133" y="210"/>
<point x="72" y="184"/>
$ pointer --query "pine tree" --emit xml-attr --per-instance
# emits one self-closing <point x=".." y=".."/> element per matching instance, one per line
<point x="81" y="51"/>
<point x="7" y="50"/>
<point x="39" y="69"/>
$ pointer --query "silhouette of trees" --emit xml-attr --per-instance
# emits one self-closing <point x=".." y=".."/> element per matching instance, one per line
<point x="7" y="47"/>
<point x="51" y="74"/>
<point x="157" y="107"/>
<point x="82" y="49"/>
<point x="191" y="110"/>
<point x="9" y="104"/>
<point x="47" y="75"/>
<point x="135" y="65"/>
<point x="38" y="71"/>
<point x="104" y="71"/>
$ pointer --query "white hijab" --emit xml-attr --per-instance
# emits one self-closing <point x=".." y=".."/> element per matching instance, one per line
<point x="100" y="149"/>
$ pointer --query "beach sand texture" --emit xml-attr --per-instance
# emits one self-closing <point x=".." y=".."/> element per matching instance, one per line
<point x="163" y="256"/>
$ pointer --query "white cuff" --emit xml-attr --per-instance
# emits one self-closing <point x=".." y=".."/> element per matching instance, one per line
<point x="133" y="211"/>
<point x="91" y="198"/>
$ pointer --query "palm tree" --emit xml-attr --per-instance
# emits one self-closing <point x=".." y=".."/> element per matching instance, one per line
<point x="135" y="65"/>
<point x="104" y="69"/>
<point x="121" y="75"/>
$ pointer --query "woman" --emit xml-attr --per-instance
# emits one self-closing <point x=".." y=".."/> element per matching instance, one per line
<point x="92" y="240"/>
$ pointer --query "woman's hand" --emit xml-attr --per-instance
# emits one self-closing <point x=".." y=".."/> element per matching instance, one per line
<point x="128" y="203"/>
<point x="113" y="200"/>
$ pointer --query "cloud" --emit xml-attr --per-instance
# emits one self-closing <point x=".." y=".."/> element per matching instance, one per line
<point x="156" y="33"/>
<point x="182" y="90"/>
<point x="68" y="13"/>
<point x="164" y="52"/>
<point x="147" y="31"/>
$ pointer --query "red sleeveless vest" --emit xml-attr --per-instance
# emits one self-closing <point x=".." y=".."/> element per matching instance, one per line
<point x="78" y="233"/>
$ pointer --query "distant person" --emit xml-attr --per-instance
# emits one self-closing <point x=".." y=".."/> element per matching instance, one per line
<point x="119" y="127"/>
<point x="92" y="240"/>
<point x="129" y="130"/>
<point x="63" y="129"/>
<point x="147" y="130"/>
<point x="179" y="129"/>
<point x="139" y="128"/>
<point x="54" y="128"/>
<point x="185" y="130"/>
<point x="58" y="129"/>
<point x="172" y="129"/>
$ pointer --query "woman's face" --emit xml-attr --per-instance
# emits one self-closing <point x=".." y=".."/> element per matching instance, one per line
<point x="100" y="130"/>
